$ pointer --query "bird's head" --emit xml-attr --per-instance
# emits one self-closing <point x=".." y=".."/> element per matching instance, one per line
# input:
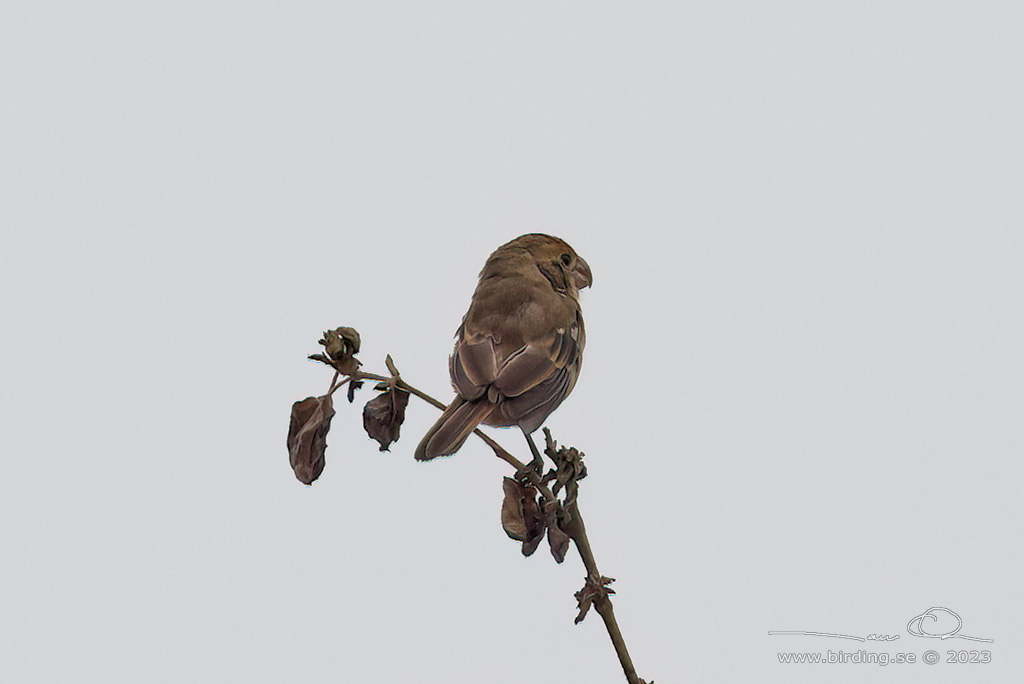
<point x="556" y="259"/>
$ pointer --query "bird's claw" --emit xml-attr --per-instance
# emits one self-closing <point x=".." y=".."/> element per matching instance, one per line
<point x="535" y="466"/>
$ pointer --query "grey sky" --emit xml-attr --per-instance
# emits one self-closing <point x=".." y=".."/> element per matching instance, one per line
<point x="802" y="397"/>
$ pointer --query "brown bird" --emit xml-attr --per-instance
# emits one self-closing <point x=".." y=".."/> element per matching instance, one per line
<point x="520" y="346"/>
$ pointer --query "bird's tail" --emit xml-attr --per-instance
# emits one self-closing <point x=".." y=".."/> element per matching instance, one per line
<point x="450" y="431"/>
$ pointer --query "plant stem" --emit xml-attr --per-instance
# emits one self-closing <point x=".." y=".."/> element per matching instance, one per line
<point x="574" y="526"/>
<point x="602" y="604"/>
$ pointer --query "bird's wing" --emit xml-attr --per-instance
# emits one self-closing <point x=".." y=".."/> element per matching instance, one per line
<point x="474" y="364"/>
<point x="537" y="362"/>
<point x="537" y="378"/>
<point x="478" y="361"/>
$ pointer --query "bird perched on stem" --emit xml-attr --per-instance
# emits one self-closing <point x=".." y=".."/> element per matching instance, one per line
<point x="520" y="346"/>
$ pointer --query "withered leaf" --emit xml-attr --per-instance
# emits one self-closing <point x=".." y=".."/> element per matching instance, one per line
<point x="341" y="345"/>
<point x="558" y="540"/>
<point x="512" y="519"/>
<point x="322" y="358"/>
<point x="352" y="387"/>
<point x="383" y="416"/>
<point x="521" y="516"/>
<point x="390" y="363"/>
<point x="307" y="436"/>
<point x="594" y="589"/>
<point x="569" y="467"/>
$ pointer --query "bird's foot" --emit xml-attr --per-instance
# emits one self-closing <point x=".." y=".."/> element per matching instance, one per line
<point x="535" y="466"/>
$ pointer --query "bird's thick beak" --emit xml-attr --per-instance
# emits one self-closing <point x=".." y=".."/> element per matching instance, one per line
<point x="582" y="273"/>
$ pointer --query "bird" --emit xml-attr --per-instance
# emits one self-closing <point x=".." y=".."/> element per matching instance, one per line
<point x="519" y="349"/>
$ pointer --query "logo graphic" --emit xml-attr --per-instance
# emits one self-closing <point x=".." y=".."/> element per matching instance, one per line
<point x="940" y="615"/>
<point x="944" y="624"/>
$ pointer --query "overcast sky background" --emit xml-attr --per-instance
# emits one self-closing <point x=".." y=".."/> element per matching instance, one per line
<point x="803" y="392"/>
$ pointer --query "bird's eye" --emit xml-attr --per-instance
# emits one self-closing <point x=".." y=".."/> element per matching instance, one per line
<point x="566" y="259"/>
